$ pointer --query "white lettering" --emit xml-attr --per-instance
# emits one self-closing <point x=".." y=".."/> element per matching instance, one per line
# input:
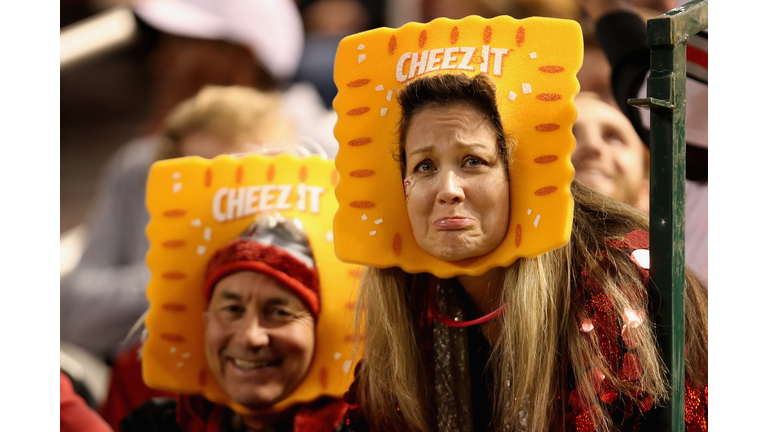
<point x="498" y="58"/>
<point x="448" y="58"/>
<point x="314" y="197"/>
<point x="282" y="200"/>
<point x="434" y="59"/>
<point x="219" y="215"/>
<point x="468" y="53"/>
<point x="301" y="190"/>
<point x="235" y="203"/>
<point x="266" y="197"/>
<point x="484" y="64"/>
<point x="421" y="63"/>
<point x="400" y="63"/>
<point x="252" y="200"/>
<point x="445" y="58"/>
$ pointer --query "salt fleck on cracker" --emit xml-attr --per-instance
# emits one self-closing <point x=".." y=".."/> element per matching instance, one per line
<point x="527" y="88"/>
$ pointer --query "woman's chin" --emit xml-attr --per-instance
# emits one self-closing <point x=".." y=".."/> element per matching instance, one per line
<point x="456" y="252"/>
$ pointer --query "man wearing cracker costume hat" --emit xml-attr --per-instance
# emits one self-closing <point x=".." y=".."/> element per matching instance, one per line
<point x="500" y="294"/>
<point x="267" y="351"/>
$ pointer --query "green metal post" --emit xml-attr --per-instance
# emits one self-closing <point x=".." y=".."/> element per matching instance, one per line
<point x="667" y="37"/>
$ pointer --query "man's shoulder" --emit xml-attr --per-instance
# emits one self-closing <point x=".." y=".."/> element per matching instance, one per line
<point x="154" y="415"/>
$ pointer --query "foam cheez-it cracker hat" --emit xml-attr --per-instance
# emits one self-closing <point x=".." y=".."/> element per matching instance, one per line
<point x="533" y="64"/>
<point x="202" y="228"/>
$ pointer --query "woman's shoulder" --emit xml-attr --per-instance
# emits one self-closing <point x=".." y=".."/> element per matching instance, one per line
<point x="613" y="313"/>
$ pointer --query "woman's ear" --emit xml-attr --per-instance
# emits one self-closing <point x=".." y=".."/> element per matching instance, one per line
<point x="206" y="317"/>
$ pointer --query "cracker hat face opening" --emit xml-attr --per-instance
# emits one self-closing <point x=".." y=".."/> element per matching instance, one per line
<point x="457" y="187"/>
<point x="533" y="64"/>
<point x="263" y="302"/>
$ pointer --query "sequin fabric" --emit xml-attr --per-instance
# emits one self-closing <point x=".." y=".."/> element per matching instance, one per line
<point x="613" y="336"/>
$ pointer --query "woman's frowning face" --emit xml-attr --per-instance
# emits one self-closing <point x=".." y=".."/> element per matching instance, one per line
<point x="456" y="184"/>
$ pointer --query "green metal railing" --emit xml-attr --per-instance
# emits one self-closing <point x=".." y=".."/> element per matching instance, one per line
<point x="667" y="37"/>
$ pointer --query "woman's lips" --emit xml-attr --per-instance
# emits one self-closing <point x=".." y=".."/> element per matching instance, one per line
<point x="452" y="223"/>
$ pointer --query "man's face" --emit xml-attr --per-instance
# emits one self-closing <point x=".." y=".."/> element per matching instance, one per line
<point x="259" y="338"/>
<point x="609" y="155"/>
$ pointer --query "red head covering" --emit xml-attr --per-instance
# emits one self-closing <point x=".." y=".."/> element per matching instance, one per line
<point x="273" y="251"/>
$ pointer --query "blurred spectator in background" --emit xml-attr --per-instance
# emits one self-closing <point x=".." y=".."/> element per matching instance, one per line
<point x="74" y="413"/>
<point x="326" y="22"/>
<point x="455" y="9"/>
<point x="219" y="120"/>
<point x="263" y="300"/>
<point x="609" y="156"/>
<point x="621" y="29"/>
<point x="594" y="75"/>
<point x="105" y="294"/>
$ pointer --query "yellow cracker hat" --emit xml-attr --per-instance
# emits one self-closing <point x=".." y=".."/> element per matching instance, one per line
<point x="533" y="63"/>
<point x="196" y="207"/>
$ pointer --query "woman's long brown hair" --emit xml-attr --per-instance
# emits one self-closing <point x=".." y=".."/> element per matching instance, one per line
<point x="539" y="336"/>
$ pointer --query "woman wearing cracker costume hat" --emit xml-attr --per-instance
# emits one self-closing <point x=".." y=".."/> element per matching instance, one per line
<point x="263" y="302"/>
<point x="474" y="318"/>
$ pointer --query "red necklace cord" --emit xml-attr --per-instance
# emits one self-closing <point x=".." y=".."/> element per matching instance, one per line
<point x="445" y="320"/>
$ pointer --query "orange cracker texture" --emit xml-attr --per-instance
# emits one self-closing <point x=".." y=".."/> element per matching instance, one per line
<point x="533" y="63"/>
<point x="197" y="206"/>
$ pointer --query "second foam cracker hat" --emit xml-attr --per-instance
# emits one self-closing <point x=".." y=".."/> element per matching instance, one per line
<point x="198" y="207"/>
<point x="533" y="63"/>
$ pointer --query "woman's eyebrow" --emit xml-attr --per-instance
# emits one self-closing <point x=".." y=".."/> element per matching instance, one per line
<point x="420" y="150"/>
<point x="466" y="146"/>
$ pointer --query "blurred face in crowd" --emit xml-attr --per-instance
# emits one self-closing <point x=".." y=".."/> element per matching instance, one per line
<point x="609" y="155"/>
<point x="259" y="338"/>
<point x="209" y="146"/>
<point x="457" y="191"/>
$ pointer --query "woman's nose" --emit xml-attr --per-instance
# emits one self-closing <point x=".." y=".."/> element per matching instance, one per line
<point x="450" y="190"/>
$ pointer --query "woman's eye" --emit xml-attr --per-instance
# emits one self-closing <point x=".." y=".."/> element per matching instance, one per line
<point x="425" y="166"/>
<point x="473" y="161"/>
